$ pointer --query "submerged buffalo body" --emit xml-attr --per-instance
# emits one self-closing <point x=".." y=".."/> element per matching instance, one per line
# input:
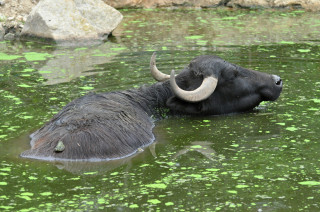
<point x="114" y="125"/>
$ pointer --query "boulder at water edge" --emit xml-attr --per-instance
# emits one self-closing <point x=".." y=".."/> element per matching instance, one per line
<point x="71" y="22"/>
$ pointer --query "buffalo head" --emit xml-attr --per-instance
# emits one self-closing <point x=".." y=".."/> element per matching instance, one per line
<point x="211" y="85"/>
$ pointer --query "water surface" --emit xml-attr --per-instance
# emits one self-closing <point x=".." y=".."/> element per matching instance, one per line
<point x="264" y="160"/>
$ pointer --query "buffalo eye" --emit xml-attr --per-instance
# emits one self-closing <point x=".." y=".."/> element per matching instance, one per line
<point x="236" y="73"/>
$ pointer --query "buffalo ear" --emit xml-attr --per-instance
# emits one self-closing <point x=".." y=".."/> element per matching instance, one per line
<point x="178" y="105"/>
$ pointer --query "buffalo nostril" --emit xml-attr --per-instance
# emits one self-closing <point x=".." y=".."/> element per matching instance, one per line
<point x="277" y="80"/>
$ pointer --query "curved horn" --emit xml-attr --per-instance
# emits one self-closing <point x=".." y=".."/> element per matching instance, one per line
<point x="157" y="75"/>
<point x="207" y="87"/>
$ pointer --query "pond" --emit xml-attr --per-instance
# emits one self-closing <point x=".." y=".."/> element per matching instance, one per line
<point x="265" y="160"/>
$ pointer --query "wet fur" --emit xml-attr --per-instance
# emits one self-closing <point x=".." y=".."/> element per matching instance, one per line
<point x="103" y="126"/>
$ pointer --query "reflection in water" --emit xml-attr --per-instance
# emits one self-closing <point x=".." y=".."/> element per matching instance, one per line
<point x="80" y="167"/>
<point x="102" y="167"/>
<point x="184" y="28"/>
<point x="68" y="64"/>
<point x="203" y="147"/>
<point x="93" y="167"/>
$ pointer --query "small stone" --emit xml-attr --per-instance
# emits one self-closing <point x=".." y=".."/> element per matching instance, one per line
<point x="9" y="36"/>
<point x="19" y="18"/>
<point x="2" y="3"/>
<point x="2" y="17"/>
<point x="60" y="147"/>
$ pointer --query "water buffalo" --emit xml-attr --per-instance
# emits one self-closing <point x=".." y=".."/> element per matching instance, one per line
<point x="113" y="125"/>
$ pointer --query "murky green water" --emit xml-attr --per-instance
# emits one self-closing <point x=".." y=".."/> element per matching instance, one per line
<point x="267" y="160"/>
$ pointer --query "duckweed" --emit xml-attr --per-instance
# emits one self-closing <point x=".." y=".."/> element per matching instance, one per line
<point x="266" y="159"/>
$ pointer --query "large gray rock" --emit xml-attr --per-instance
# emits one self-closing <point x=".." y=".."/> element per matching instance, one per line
<point x="251" y="3"/>
<point x="72" y="21"/>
